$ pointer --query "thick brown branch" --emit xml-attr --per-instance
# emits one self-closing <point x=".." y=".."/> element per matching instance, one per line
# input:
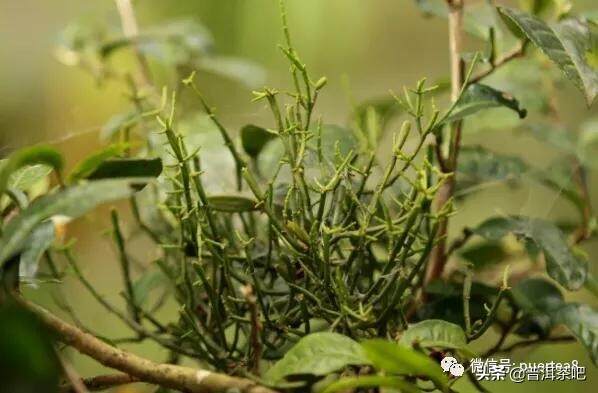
<point x="170" y="376"/>
<point x="439" y="254"/>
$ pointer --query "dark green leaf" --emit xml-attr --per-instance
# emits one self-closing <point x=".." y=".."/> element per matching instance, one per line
<point x="371" y="381"/>
<point x="39" y="241"/>
<point x="478" y="97"/>
<point x="561" y="263"/>
<point x="436" y="333"/>
<point x="28" y="156"/>
<point x="539" y="300"/>
<point x="87" y="166"/>
<point x="127" y="168"/>
<point x="254" y="138"/>
<point x="232" y="203"/>
<point x="485" y="254"/>
<point x="553" y="135"/>
<point x="478" y="166"/>
<point x="28" y="363"/>
<point x="73" y="202"/>
<point x="318" y="354"/>
<point x="560" y="177"/>
<point x="582" y="320"/>
<point x="391" y="357"/>
<point x="566" y="47"/>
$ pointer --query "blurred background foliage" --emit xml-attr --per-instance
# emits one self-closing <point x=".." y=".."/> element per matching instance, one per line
<point x="364" y="47"/>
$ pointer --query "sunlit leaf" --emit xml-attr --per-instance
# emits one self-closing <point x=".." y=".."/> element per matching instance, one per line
<point x="318" y="354"/>
<point x="394" y="358"/>
<point x="28" y="156"/>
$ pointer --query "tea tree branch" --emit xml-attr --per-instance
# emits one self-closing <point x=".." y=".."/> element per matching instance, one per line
<point x="166" y="375"/>
<point x="445" y="194"/>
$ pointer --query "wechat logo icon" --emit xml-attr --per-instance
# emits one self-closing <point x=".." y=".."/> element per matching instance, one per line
<point x="451" y="365"/>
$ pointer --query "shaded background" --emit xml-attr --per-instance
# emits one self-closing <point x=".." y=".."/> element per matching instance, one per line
<point x="364" y="47"/>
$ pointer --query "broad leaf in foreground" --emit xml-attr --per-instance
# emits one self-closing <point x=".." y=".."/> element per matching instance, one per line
<point x="318" y="354"/>
<point x="72" y="202"/>
<point x="566" y="47"/>
<point x="394" y="358"/>
<point x="561" y="263"/>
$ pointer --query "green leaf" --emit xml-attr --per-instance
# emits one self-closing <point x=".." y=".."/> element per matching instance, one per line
<point x="436" y="333"/>
<point x="582" y="321"/>
<point x="371" y="381"/>
<point x="28" y="363"/>
<point x="484" y="254"/>
<point x="566" y="47"/>
<point x="478" y="97"/>
<point x="559" y="176"/>
<point x="232" y="203"/>
<point x="39" y="241"/>
<point x="246" y="72"/>
<point x="539" y="299"/>
<point x="561" y="263"/>
<point x="27" y="177"/>
<point x="28" y="156"/>
<point x="553" y="135"/>
<point x="393" y="358"/>
<point x="73" y="202"/>
<point x="587" y="147"/>
<point x="318" y="354"/>
<point x="127" y="168"/>
<point x="85" y="167"/>
<point x="478" y="166"/>
<point x="254" y="138"/>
